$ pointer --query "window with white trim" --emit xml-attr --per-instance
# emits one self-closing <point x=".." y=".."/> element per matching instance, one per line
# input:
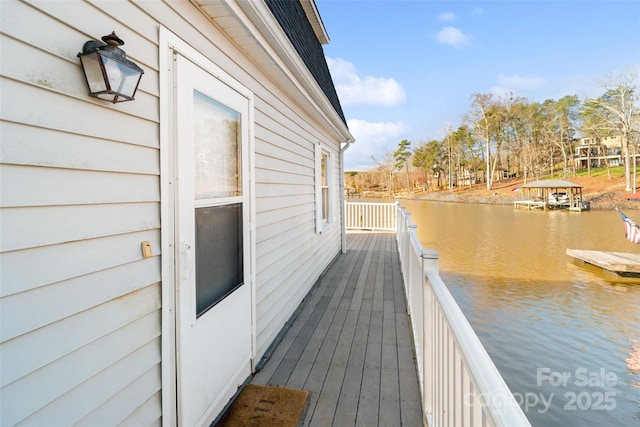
<point x="324" y="188"/>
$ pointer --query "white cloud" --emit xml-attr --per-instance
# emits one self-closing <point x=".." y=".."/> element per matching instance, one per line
<point x="477" y="11"/>
<point x="341" y="70"/>
<point x="368" y="90"/>
<point x="446" y="16"/>
<point x="373" y="139"/>
<point x="452" y="36"/>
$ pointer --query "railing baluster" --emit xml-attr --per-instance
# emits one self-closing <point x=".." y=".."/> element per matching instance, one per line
<point x="370" y="216"/>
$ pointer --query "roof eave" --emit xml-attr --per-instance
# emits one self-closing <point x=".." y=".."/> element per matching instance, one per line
<point x="252" y="27"/>
<point x="311" y="10"/>
<point x="551" y="184"/>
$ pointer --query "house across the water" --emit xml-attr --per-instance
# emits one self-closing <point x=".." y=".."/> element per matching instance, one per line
<point x="152" y="250"/>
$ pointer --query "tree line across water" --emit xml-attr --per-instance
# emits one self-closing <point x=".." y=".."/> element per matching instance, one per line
<point x="509" y="136"/>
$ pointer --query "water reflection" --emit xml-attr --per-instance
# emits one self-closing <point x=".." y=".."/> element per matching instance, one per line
<point x="539" y="313"/>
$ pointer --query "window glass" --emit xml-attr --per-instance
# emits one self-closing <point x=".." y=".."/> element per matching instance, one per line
<point x="324" y="168"/>
<point x="218" y="219"/>
<point x="218" y="254"/>
<point x="217" y="149"/>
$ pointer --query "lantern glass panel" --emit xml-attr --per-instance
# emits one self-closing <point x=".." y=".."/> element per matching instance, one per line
<point x="93" y="72"/>
<point x="130" y="82"/>
<point x="117" y="75"/>
<point x="122" y="78"/>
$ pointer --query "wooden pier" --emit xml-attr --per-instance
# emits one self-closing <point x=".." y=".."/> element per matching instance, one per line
<point x="621" y="263"/>
<point x="538" y="204"/>
<point x="529" y="204"/>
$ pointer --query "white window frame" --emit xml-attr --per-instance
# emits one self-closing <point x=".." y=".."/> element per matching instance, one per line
<point x="321" y="222"/>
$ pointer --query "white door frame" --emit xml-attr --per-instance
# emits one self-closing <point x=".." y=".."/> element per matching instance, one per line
<point x="169" y="45"/>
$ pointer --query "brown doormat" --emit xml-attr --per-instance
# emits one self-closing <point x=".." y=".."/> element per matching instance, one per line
<point x="265" y="407"/>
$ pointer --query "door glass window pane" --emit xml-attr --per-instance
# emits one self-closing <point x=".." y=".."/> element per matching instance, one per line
<point x="217" y="143"/>
<point x="218" y="254"/>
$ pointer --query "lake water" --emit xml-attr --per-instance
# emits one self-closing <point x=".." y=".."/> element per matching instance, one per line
<point x="558" y="331"/>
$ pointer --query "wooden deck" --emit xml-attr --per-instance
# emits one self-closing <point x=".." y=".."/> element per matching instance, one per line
<point x="350" y="344"/>
<point x="624" y="264"/>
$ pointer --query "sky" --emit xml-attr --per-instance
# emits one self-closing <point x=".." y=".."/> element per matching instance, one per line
<point x="408" y="69"/>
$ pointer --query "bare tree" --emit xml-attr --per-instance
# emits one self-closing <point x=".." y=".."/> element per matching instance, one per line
<point x="479" y="118"/>
<point x="388" y="169"/>
<point x="618" y="109"/>
<point x="448" y="140"/>
<point x="559" y="124"/>
<point x="488" y="118"/>
<point x="592" y="127"/>
<point x="522" y="134"/>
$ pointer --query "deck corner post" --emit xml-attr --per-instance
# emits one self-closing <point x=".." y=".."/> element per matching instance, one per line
<point x="429" y="261"/>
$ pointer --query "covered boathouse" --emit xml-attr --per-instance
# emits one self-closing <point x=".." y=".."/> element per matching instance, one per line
<point x="552" y="194"/>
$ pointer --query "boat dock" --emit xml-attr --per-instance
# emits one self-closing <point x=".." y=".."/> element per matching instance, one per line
<point x="539" y="204"/>
<point x="621" y="263"/>
<point x="554" y="194"/>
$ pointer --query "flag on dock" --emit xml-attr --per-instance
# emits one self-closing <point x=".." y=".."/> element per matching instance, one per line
<point x="632" y="230"/>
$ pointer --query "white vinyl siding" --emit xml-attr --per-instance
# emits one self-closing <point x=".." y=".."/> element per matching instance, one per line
<point x="286" y="219"/>
<point x="80" y="331"/>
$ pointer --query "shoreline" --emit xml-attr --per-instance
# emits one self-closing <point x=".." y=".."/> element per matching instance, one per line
<point x="606" y="200"/>
<point x="603" y="192"/>
<point x="598" y="201"/>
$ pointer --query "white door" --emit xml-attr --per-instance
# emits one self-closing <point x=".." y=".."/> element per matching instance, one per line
<point x="213" y="318"/>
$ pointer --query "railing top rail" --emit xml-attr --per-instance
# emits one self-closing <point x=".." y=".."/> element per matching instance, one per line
<point x="373" y="203"/>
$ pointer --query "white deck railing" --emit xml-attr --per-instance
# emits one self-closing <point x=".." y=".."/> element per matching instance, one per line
<point x="459" y="384"/>
<point x="370" y="216"/>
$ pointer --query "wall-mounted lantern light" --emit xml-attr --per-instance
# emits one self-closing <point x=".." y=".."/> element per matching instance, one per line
<point x="110" y="75"/>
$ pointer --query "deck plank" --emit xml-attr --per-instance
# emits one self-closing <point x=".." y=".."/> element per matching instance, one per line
<point x="350" y="343"/>
<point x="323" y="394"/>
<point x="300" y="336"/>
